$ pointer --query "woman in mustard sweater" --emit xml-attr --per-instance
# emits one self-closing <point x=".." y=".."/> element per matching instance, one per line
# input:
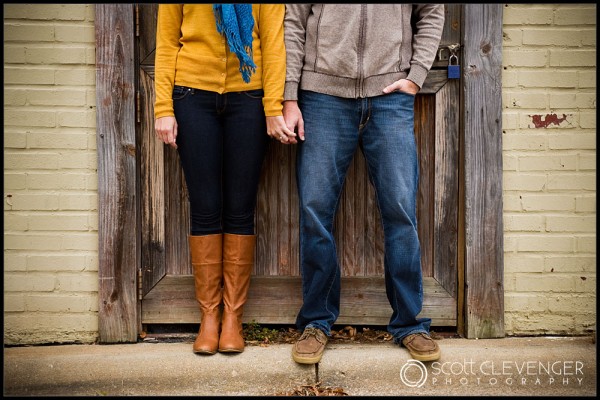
<point x="219" y="77"/>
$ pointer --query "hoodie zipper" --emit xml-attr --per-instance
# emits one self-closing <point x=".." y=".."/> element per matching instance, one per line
<point x="361" y="46"/>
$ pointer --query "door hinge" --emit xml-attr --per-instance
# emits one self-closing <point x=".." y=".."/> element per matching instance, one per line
<point x="137" y="20"/>
<point x="139" y="285"/>
<point x="138" y="106"/>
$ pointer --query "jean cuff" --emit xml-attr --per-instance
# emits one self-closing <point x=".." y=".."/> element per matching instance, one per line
<point x="327" y="332"/>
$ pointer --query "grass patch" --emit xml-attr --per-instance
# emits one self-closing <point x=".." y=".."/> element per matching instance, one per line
<point x="253" y="332"/>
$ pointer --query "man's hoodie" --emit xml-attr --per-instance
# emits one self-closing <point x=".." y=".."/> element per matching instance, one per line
<point x="355" y="50"/>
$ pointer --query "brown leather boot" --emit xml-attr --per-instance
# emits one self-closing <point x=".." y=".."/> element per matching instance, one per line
<point x="206" y="253"/>
<point x="238" y="260"/>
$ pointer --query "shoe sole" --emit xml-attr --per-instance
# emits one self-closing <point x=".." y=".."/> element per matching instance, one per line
<point x="427" y="357"/>
<point x="230" y="351"/>
<point x="205" y="352"/>
<point x="306" y="360"/>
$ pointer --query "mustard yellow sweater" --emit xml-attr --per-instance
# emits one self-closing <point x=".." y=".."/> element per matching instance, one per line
<point x="191" y="52"/>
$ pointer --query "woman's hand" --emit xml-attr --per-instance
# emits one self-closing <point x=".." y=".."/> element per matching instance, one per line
<point x="166" y="130"/>
<point x="277" y="129"/>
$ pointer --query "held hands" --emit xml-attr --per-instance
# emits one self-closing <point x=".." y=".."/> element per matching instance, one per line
<point x="402" y="85"/>
<point x="278" y="130"/>
<point x="293" y="119"/>
<point x="166" y="130"/>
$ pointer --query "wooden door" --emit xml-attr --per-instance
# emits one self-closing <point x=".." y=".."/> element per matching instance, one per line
<point x="166" y="285"/>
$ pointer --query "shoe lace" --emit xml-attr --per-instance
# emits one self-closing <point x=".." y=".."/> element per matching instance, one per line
<point x="413" y="336"/>
<point x="315" y="332"/>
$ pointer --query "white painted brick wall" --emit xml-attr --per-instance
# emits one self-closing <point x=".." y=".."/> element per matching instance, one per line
<point x="50" y="177"/>
<point x="549" y="149"/>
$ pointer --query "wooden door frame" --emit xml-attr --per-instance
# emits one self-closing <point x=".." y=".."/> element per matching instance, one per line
<point x="480" y="264"/>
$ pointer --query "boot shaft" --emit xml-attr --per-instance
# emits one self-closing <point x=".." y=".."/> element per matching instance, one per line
<point x="206" y="249"/>
<point x="207" y="264"/>
<point x="238" y="262"/>
<point x="239" y="249"/>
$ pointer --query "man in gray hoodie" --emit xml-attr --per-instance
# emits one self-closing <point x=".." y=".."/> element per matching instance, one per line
<point x="353" y="71"/>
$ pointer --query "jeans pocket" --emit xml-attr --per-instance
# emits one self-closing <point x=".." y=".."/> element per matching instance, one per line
<point x="180" y="92"/>
<point x="255" y="94"/>
<point x="405" y="93"/>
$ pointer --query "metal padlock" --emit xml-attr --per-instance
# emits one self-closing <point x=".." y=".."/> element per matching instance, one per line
<point x="453" y="69"/>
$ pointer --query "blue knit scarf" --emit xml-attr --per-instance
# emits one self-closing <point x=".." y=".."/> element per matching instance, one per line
<point x="236" y="22"/>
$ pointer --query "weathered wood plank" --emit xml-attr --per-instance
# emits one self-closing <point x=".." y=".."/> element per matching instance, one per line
<point x="117" y="193"/>
<point x="446" y="244"/>
<point x="283" y="206"/>
<point x="346" y="234"/>
<point x="444" y="228"/>
<point x="177" y="215"/>
<point x="164" y="203"/>
<point x="451" y="34"/>
<point x="276" y="220"/>
<point x="425" y="134"/>
<point x="276" y="214"/>
<point x="264" y="232"/>
<point x="482" y="60"/>
<point x="152" y="184"/>
<point x="274" y="299"/>
<point x="360" y="216"/>
<point x="147" y="14"/>
<point x="294" y="220"/>
<point x="435" y="80"/>
<point x="373" y="230"/>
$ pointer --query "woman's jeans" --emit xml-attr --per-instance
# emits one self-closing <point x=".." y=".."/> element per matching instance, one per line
<point x="222" y="140"/>
<point x="383" y="126"/>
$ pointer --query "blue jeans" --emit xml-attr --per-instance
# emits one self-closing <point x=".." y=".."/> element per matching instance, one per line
<point x="383" y="127"/>
<point x="222" y="141"/>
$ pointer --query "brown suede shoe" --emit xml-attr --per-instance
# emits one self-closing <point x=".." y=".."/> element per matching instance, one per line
<point x="309" y="348"/>
<point x="422" y="347"/>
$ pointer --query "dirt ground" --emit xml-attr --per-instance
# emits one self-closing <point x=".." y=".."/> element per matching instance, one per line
<point x="263" y="335"/>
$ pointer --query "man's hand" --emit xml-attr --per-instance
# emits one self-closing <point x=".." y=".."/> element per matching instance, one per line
<point x="293" y="118"/>
<point x="278" y="130"/>
<point x="402" y="85"/>
<point x="166" y="130"/>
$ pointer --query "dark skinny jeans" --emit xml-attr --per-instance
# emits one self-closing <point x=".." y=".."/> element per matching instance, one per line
<point x="222" y="142"/>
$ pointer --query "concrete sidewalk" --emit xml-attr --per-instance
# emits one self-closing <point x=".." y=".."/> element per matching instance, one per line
<point x="531" y="366"/>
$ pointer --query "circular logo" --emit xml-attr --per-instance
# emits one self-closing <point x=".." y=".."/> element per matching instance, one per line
<point x="413" y="373"/>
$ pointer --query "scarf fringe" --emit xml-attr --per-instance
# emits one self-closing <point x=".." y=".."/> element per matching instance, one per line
<point x="236" y="23"/>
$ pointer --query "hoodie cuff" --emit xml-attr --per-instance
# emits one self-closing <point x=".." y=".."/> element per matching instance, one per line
<point x="417" y="74"/>
<point x="291" y="91"/>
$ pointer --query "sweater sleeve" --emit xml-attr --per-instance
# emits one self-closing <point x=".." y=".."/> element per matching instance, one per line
<point x="296" y="16"/>
<point x="429" y="24"/>
<point x="273" y="57"/>
<point x="168" y="33"/>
